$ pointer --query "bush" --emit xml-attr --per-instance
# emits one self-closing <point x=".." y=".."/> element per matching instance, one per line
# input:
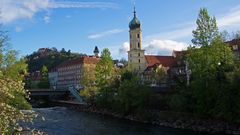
<point x="125" y="96"/>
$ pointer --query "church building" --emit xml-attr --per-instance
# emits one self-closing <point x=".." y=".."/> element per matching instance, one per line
<point x="137" y="60"/>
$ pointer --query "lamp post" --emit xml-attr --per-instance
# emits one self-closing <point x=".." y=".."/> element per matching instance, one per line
<point x="219" y="73"/>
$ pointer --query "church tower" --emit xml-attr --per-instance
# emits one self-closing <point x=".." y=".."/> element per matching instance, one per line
<point x="136" y="57"/>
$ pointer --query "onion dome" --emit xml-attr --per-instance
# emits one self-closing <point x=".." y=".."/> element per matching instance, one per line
<point x="135" y="23"/>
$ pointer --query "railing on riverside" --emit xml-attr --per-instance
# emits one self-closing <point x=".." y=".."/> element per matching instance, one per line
<point x="75" y="93"/>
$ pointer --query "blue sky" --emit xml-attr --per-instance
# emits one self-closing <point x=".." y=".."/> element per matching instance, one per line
<point x="79" y="25"/>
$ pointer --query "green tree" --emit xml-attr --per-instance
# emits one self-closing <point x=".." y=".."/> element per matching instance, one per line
<point x="159" y="74"/>
<point x="13" y="94"/>
<point x="104" y="69"/>
<point x="125" y="95"/>
<point x="133" y="96"/>
<point x="213" y="90"/>
<point x="44" y="71"/>
<point x="44" y="83"/>
<point x="88" y="80"/>
<point x="206" y="30"/>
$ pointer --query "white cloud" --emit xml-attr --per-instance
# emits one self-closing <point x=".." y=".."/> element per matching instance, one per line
<point x="155" y="47"/>
<point x="46" y="19"/>
<point x="17" y="9"/>
<point x="18" y="29"/>
<point x="230" y="19"/>
<point x="12" y="10"/>
<point x="105" y="33"/>
<point x="124" y="48"/>
<point x="163" y="47"/>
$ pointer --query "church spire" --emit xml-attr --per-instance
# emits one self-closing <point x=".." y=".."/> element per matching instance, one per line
<point x="134" y="10"/>
<point x="134" y="23"/>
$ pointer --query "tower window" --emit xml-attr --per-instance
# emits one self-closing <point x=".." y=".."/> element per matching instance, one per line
<point x="138" y="54"/>
<point x="130" y="55"/>
<point x="139" y="60"/>
<point x="138" y="35"/>
<point x="138" y="45"/>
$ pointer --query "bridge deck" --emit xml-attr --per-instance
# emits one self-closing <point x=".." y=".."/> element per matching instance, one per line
<point x="47" y="92"/>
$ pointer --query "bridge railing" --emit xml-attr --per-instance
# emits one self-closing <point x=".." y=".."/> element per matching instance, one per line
<point x="75" y="93"/>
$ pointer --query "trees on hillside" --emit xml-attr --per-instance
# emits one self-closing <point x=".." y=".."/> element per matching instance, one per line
<point x="35" y="61"/>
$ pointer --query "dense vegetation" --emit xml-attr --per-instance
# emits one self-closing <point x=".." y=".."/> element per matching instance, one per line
<point x="116" y="90"/>
<point x="44" y="62"/>
<point x="13" y="94"/>
<point x="214" y="86"/>
<point x="35" y="61"/>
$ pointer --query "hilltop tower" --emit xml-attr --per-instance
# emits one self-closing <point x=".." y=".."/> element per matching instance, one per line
<point x="96" y="51"/>
<point x="136" y="56"/>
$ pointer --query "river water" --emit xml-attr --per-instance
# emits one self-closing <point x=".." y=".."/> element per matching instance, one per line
<point x="65" y="121"/>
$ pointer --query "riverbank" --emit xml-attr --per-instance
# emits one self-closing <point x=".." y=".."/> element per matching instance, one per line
<point x="165" y="119"/>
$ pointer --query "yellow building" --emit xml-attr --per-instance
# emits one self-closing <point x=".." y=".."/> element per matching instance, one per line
<point x="137" y="60"/>
<point x="136" y="56"/>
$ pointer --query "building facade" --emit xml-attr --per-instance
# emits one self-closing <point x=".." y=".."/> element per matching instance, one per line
<point x="235" y="46"/>
<point x="53" y="78"/>
<point x="71" y="72"/>
<point x="136" y="56"/>
<point x="137" y="60"/>
<point x="147" y="65"/>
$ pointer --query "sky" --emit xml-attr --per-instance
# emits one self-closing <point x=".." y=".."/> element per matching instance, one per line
<point x="80" y="25"/>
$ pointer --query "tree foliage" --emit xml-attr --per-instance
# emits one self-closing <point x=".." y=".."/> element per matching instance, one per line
<point x="126" y="95"/>
<point x="206" y="30"/>
<point x="36" y="61"/>
<point x="13" y="94"/>
<point x="213" y="90"/>
<point x="159" y="73"/>
<point x="104" y="69"/>
<point x="88" y="82"/>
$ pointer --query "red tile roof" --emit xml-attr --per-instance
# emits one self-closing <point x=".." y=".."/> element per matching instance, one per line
<point x="80" y="60"/>
<point x="179" y="53"/>
<point x="166" y="61"/>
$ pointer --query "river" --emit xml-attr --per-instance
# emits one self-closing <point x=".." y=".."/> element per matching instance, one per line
<point x="65" y="121"/>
